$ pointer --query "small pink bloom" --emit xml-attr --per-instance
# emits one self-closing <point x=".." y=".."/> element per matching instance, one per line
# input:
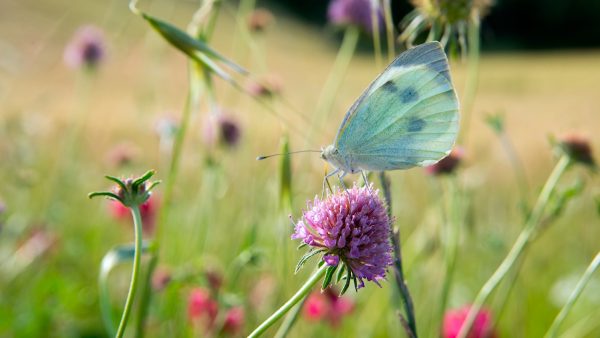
<point x="328" y="306"/>
<point x="86" y="48"/>
<point x="316" y="307"/>
<point x="161" y="279"/>
<point x="482" y="326"/>
<point x="148" y="211"/>
<point x="448" y="164"/>
<point x="202" y="308"/>
<point x="234" y="320"/>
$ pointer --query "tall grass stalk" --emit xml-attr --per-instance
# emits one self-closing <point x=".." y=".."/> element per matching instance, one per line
<point x="452" y="229"/>
<point x="468" y="99"/>
<point x="560" y="318"/>
<point x="389" y="29"/>
<point x="298" y="296"/>
<point x="334" y="81"/>
<point x="192" y="104"/>
<point x="519" y="247"/>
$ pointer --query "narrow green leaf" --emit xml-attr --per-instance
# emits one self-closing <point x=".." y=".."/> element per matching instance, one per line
<point x="285" y="175"/>
<point x="328" y="276"/>
<point x="187" y="44"/>
<point x="306" y="257"/>
<point x="142" y="179"/>
<point x="117" y="181"/>
<point x="104" y="194"/>
<point x="347" y="284"/>
<point x="340" y="273"/>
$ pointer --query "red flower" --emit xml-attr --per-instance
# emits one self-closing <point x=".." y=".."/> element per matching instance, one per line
<point x="148" y="211"/>
<point x="482" y="326"/>
<point x="202" y="308"/>
<point x="327" y="306"/>
<point x="234" y="320"/>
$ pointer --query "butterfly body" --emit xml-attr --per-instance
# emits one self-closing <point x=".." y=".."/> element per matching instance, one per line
<point x="407" y="117"/>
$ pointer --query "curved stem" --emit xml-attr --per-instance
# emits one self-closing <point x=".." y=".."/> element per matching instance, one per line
<point x="300" y="294"/>
<point x="518" y="248"/>
<point x="137" y="223"/>
<point x="587" y="275"/>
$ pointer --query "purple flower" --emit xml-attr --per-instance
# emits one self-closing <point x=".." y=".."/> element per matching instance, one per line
<point x="353" y="12"/>
<point x="448" y="164"/>
<point x="223" y="129"/>
<point x="86" y="48"/>
<point x="351" y="226"/>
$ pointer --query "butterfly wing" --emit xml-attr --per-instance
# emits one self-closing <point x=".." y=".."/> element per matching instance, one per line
<point x="407" y="117"/>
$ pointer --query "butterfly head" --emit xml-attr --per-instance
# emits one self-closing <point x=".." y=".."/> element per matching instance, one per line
<point x="332" y="155"/>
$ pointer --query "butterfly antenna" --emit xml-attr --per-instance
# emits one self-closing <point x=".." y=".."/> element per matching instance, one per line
<point x="259" y="158"/>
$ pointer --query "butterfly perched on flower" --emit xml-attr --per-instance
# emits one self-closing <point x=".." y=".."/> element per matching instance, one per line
<point x="408" y="116"/>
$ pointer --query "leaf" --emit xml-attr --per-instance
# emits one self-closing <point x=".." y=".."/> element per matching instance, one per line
<point x="306" y="257"/>
<point x="340" y="273"/>
<point x="285" y="175"/>
<point x="347" y="284"/>
<point x="328" y="276"/>
<point x="194" y="48"/>
<point x="495" y="122"/>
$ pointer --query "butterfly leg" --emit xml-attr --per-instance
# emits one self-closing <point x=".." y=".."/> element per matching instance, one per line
<point x="326" y="181"/>
<point x="364" y="176"/>
<point x="341" y="178"/>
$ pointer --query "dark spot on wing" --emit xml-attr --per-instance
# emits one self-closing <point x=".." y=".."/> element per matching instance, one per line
<point x="390" y="87"/>
<point x="409" y="94"/>
<point x="416" y="124"/>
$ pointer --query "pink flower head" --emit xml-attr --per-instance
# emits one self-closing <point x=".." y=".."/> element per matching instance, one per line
<point x="578" y="148"/>
<point x="353" y="12"/>
<point x="86" y="48"/>
<point x="327" y="306"/>
<point x="351" y="226"/>
<point x="223" y="129"/>
<point x="202" y="308"/>
<point x="482" y="326"/>
<point x="448" y="164"/>
<point x="148" y="210"/>
<point x="234" y="320"/>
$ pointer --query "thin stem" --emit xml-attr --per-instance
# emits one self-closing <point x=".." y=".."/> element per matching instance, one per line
<point x="300" y="294"/>
<point x="340" y="66"/>
<point x="518" y="248"/>
<point x="452" y="227"/>
<point x="192" y="103"/>
<point x="137" y="223"/>
<point x="472" y="76"/>
<point x="587" y="275"/>
<point x="389" y="28"/>
<point x="290" y="320"/>
<point x="397" y="267"/>
<point x="375" y="32"/>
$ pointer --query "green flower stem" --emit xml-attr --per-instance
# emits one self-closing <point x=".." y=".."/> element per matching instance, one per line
<point x="553" y="330"/>
<point x="410" y="323"/>
<point x="290" y="319"/>
<point x="452" y="227"/>
<point x="389" y="29"/>
<point x="137" y="223"/>
<point x="375" y="33"/>
<point x="472" y="77"/>
<point x="300" y="294"/>
<point x="192" y="103"/>
<point x="340" y="66"/>
<point x="519" y="247"/>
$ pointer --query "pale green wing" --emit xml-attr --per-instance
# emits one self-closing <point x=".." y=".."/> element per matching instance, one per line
<point x="407" y="117"/>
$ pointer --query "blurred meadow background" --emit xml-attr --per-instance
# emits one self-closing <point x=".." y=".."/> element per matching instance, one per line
<point x="227" y="232"/>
